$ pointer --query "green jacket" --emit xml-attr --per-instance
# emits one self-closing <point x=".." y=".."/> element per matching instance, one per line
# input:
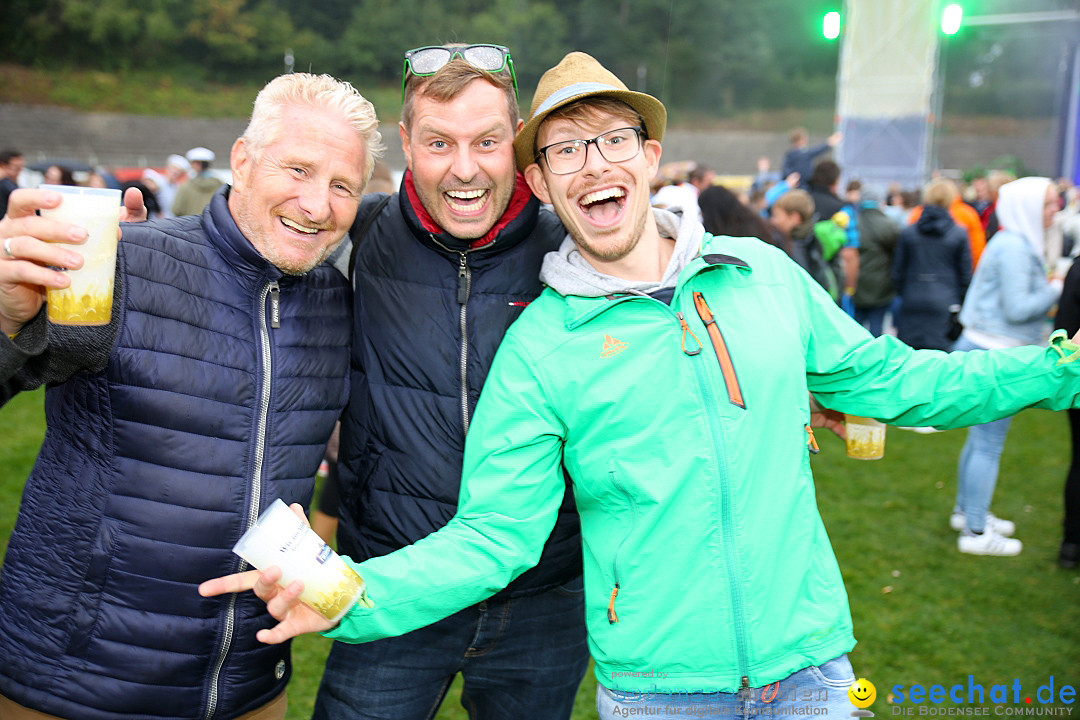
<point x="691" y="475"/>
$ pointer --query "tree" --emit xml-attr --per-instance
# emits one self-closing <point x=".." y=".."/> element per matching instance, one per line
<point x="535" y="32"/>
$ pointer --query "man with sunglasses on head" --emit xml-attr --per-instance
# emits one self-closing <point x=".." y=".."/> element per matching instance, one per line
<point x="669" y="372"/>
<point x="440" y="270"/>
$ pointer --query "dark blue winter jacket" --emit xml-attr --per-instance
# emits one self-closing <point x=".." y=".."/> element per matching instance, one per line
<point x="931" y="272"/>
<point x="154" y="466"/>
<point x="429" y="312"/>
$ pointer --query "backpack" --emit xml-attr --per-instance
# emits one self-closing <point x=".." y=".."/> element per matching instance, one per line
<point x="832" y="235"/>
<point x="808" y="252"/>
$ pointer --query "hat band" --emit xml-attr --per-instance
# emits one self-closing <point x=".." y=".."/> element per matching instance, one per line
<point x="570" y="91"/>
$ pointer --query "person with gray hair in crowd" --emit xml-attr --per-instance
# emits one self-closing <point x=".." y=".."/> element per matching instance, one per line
<point x="211" y="394"/>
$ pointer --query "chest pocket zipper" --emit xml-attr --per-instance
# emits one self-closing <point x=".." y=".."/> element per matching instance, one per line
<point x="727" y="366"/>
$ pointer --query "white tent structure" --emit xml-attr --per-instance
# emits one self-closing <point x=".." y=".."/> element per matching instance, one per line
<point x="886" y="90"/>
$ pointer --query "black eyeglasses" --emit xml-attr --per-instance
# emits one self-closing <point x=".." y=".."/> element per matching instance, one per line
<point x="615" y="146"/>
<point x="425" y="61"/>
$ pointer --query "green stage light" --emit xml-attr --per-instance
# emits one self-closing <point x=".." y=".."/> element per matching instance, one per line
<point x="951" y="18"/>
<point x="830" y="26"/>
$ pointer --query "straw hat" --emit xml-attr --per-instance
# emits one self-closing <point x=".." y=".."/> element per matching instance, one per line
<point x="578" y="76"/>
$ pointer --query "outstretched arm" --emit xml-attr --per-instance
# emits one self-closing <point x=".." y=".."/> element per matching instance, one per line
<point x="512" y="487"/>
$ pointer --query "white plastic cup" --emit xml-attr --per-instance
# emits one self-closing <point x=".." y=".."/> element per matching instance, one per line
<point x="279" y="537"/>
<point x="89" y="298"/>
<point x="865" y="437"/>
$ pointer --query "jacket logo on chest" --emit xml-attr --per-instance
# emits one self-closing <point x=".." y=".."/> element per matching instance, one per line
<point x="612" y="347"/>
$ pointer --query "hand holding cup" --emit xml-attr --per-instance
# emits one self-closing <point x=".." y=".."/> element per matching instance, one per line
<point x="88" y="299"/>
<point x="305" y="584"/>
<point x="865" y="437"/>
<point x="283" y="603"/>
<point x="29" y="249"/>
<point x="31" y="246"/>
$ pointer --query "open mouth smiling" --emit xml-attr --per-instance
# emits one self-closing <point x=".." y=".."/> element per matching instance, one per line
<point x="466" y="201"/>
<point x="603" y="207"/>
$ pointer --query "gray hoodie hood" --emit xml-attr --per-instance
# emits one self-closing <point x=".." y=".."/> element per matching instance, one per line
<point x="568" y="272"/>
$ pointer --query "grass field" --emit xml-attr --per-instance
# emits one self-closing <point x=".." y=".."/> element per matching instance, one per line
<point x="924" y="614"/>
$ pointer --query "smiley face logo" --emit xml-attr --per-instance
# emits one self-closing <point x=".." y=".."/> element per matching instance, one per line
<point x="862" y="693"/>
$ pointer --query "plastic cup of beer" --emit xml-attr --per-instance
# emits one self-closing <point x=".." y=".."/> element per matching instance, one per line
<point x="279" y="537"/>
<point x="88" y="299"/>
<point x="865" y="437"/>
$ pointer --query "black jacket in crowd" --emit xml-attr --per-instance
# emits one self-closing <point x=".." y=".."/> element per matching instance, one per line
<point x="931" y="272"/>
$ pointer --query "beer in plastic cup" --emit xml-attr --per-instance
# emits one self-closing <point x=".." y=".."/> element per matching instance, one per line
<point x="89" y="298"/>
<point x="281" y="538"/>
<point x="865" y="437"/>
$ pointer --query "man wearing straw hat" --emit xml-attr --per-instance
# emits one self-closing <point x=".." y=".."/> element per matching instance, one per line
<point x="669" y="372"/>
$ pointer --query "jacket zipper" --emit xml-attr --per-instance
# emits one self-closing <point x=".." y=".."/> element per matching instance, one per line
<point x="612" y="617"/>
<point x="727" y="366"/>
<point x="463" y="286"/>
<point x="726" y="510"/>
<point x="271" y="290"/>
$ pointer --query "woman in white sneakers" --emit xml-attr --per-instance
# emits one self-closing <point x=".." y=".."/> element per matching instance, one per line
<point x="1006" y="306"/>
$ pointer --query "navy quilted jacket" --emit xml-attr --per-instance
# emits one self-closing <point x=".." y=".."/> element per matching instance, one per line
<point x="430" y="310"/>
<point x="153" y="467"/>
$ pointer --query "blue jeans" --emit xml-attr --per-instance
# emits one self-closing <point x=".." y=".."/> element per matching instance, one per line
<point x="819" y="691"/>
<point x="520" y="658"/>
<point x="872" y="318"/>
<point x="977" y="471"/>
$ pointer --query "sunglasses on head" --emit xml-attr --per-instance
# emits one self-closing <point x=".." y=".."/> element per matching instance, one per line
<point x="426" y="61"/>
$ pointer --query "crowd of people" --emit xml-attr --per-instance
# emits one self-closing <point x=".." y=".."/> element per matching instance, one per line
<point x="182" y="186"/>
<point x="511" y="507"/>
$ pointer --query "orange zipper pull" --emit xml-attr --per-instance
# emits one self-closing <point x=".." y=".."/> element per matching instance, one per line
<point x="685" y="331"/>
<point x="611" y="616"/>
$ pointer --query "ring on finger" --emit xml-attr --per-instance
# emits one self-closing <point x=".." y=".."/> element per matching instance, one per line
<point x="7" y="248"/>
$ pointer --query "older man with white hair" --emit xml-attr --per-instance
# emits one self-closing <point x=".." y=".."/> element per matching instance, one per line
<point x="211" y="394"/>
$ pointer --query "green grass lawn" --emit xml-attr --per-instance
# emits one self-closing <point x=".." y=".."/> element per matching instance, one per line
<point x="924" y="613"/>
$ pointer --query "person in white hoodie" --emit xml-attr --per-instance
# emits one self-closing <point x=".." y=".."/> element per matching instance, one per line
<point x="1006" y="306"/>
